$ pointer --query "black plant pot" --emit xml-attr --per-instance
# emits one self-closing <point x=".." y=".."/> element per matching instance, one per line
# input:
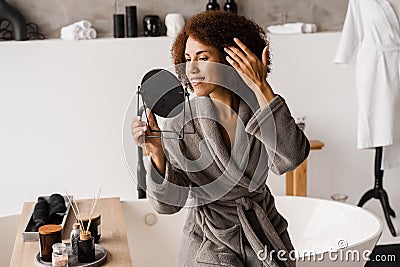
<point x="17" y="21"/>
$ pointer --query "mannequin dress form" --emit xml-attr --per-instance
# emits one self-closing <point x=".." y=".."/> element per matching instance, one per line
<point x="378" y="192"/>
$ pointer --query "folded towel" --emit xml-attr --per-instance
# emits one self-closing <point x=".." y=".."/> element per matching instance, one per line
<point x="80" y="30"/>
<point x="309" y="28"/>
<point x="291" y="28"/>
<point x="40" y="214"/>
<point x="57" y="208"/>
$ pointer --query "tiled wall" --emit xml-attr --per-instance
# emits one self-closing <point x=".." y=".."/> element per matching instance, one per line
<point x="51" y="15"/>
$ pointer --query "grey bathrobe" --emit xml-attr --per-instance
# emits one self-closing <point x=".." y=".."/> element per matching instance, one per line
<point x="234" y="218"/>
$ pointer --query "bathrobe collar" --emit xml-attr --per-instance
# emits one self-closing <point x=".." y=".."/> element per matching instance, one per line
<point x="235" y="164"/>
<point x="391" y="16"/>
<point x="208" y="121"/>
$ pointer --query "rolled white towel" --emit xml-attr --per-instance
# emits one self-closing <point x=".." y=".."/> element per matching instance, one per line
<point x="91" y="34"/>
<point x="84" y="24"/>
<point x="81" y="34"/>
<point x="292" y="28"/>
<point x="87" y="34"/>
<point x="78" y="31"/>
<point x="70" y="32"/>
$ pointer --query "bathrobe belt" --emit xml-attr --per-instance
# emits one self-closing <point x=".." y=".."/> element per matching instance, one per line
<point x="243" y="204"/>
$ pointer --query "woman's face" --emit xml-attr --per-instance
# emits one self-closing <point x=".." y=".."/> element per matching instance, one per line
<point x="202" y="73"/>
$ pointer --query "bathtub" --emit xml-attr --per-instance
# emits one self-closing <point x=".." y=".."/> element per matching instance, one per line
<point x="323" y="232"/>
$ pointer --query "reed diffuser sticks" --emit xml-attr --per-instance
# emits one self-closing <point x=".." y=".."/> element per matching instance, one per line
<point x="73" y="209"/>
<point x="77" y="213"/>
<point x="94" y="203"/>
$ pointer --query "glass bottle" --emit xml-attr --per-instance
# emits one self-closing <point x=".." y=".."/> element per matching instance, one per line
<point x="212" y="5"/>
<point x="60" y="256"/>
<point x="74" y="237"/>
<point x="86" y="248"/>
<point x="230" y="6"/>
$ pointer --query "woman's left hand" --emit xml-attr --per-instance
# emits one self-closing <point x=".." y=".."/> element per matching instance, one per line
<point x="251" y="68"/>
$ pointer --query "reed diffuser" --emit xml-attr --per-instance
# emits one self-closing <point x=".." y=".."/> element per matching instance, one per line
<point x="77" y="213"/>
<point x="86" y="242"/>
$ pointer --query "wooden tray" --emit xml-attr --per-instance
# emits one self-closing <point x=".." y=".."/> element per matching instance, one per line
<point x="100" y="258"/>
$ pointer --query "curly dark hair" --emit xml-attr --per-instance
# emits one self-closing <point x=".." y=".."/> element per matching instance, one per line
<point x="217" y="29"/>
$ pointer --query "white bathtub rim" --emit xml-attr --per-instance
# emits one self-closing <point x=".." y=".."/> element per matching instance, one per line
<point x="374" y="236"/>
<point x="377" y="234"/>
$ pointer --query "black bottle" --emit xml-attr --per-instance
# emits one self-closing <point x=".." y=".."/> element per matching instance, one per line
<point x="230" y="6"/>
<point x="131" y="21"/>
<point x="119" y="25"/>
<point x="212" y="5"/>
<point x="86" y="248"/>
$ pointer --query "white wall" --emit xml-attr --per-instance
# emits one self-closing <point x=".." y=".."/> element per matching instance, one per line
<point x="62" y="105"/>
<point x="324" y="92"/>
<point x="327" y="14"/>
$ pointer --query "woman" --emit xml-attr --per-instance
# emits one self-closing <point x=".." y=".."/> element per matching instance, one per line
<point x="222" y="168"/>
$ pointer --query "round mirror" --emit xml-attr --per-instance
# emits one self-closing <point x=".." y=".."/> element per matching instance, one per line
<point x="162" y="92"/>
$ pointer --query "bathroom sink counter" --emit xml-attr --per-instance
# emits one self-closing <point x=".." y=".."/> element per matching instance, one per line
<point x="113" y="233"/>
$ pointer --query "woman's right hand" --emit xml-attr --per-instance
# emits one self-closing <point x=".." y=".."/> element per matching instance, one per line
<point x="140" y="129"/>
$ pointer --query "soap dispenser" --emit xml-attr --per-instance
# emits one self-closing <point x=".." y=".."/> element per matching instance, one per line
<point x="230" y="6"/>
<point x="212" y="5"/>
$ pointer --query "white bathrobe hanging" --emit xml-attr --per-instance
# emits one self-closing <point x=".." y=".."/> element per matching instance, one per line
<point x="371" y="29"/>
